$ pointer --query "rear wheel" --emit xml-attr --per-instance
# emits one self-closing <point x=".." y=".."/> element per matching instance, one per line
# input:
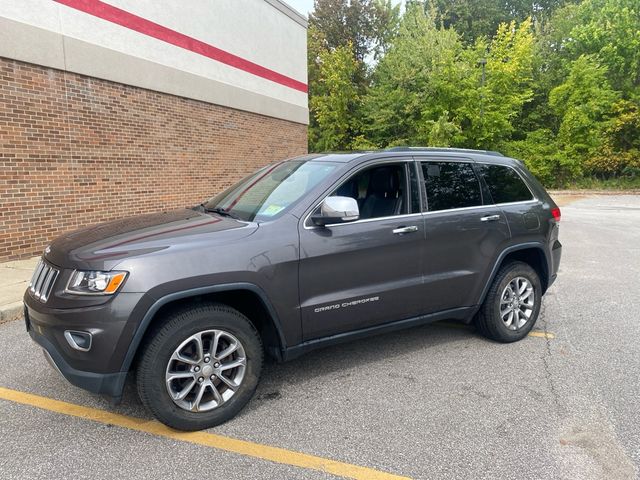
<point x="512" y="305"/>
<point x="200" y="368"/>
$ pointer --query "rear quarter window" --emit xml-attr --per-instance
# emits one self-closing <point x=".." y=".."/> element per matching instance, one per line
<point x="505" y="184"/>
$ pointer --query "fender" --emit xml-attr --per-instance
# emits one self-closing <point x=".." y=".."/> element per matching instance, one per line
<point x="146" y="320"/>
<point x="503" y="254"/>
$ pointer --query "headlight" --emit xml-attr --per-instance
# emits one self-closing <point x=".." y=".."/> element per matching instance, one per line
<point x="95" y="283"/>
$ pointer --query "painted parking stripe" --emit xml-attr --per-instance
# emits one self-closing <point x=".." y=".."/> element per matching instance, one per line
<point x="227" y="444"/>
<point x="532" y="333"/>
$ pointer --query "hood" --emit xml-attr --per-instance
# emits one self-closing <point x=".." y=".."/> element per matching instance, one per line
<point x="104" y="245"/>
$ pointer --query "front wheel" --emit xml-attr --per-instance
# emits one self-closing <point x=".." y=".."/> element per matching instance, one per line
<point x="200" y="367"/>
<point x="512" y="305"/>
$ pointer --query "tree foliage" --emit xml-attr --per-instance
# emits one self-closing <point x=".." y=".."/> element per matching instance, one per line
<point x="554" y="82"/>
<point x="336" y="101"/>
<point x="475" y="19"/>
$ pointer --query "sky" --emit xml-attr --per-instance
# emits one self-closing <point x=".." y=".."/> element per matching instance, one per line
<point x="305" y="6"/>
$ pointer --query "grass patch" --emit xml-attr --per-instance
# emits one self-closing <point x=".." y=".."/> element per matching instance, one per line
<point x="622" y="183"/>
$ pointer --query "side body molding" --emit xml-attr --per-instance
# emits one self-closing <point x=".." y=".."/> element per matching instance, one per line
<point x="148" y="317"/>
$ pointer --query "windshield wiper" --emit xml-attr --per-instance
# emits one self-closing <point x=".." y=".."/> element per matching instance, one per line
<point x="220" y="211"/>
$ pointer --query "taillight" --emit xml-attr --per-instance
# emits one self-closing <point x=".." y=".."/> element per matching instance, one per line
<point x="556" y="213"/>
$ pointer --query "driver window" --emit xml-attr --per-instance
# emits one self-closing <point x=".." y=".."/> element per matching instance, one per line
<point x="380" y="191"/>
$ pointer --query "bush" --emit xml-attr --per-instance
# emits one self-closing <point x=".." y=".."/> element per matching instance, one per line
<point x="619" y="154"/>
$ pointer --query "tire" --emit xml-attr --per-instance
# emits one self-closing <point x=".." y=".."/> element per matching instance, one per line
<point x="494" y="320"/>
<point x="172" y="359"/>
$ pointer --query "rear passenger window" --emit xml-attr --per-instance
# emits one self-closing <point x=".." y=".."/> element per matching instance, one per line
<point x="451" y="185"/>
<point x="505" y="185"/>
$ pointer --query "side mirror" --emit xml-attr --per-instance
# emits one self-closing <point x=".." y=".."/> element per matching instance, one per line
<point x="336" y="210"/>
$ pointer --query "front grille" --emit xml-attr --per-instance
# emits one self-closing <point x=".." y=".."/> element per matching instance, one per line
<point x="42" y="281"/>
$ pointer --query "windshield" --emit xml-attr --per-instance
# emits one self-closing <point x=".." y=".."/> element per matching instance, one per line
<point x="270" y="191"/>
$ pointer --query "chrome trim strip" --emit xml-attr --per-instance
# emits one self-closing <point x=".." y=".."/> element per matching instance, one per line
<point x="476" y="207"/>
<point x="50" y="361"/>
<point x="72" y="342"/>
<point x="49" y="285"/>
<point x="461" y="209"/>
<point x="38" y="286"/>
<point x="521" y="202"/>
<point x="36" y="274"/>
<point x="45" y="285"/>
<point x="364" y="220"/>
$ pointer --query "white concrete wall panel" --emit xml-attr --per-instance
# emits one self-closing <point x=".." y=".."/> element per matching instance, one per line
<point x="151" y="43"/>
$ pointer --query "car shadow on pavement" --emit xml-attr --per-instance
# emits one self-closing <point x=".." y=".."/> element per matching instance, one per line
<point x="359" y="356"/>
<point x="351" y="359"/>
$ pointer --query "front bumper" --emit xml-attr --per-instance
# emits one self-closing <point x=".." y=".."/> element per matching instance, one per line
<point x="110" y="384"/>
<point x="111" y="325"/>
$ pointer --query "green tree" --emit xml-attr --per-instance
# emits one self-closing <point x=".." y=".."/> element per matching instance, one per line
<point x="349" y="23"/>
<point x="336" y="101"/>
<point x="385" y="24"/>
<point x="584" y="104"/>
<point x="610" y="29"/>
<point x="475" y="19"/>
<point x="492" y="109"/>
<point x="416" y="83"/>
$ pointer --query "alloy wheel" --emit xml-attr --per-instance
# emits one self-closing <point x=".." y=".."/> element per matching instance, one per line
<point x="205" y="370"/>
<point x="517" y="303"/>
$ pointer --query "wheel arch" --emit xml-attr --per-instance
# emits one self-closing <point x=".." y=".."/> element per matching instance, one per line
<point x="247" y="298"/>
<point x="531" y="253"/>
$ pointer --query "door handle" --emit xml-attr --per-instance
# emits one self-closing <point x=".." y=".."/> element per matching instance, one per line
<point x="401" y="230"/>
<point x="490" y="218"/>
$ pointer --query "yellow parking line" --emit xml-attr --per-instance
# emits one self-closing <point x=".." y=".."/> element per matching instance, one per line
<point x="541" y="334"/>
<point x="532" y="333"/>
<point x="242" y="447"/>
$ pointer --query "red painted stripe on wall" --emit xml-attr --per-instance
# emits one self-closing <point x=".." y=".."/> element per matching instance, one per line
<point x="139" y="24"/>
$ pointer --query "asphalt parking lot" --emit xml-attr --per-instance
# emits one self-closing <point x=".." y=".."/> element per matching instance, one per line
<point x="433" y="402"/>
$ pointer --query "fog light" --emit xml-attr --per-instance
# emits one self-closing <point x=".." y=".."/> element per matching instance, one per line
<point x="78" y="340"/>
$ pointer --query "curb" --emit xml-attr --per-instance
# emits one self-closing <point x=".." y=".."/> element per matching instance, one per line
<point x="11" y="311"/>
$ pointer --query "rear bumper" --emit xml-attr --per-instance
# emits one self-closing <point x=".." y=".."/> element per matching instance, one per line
<point x="556" y="255"/>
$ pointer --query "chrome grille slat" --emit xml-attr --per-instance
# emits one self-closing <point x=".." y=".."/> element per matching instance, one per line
<point x="43" y="280"/>
<point x="38" y="287"/>
<point x="46" y="286"/>
<point x="35" y="276"/>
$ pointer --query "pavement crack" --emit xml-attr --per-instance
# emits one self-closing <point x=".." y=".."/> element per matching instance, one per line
<point x="546" y="360"/>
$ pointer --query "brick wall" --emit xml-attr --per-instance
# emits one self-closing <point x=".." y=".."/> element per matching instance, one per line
<point x="76" y="150"/>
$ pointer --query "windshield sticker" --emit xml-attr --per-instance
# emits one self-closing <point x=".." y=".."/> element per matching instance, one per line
<point x="272" y="210"/>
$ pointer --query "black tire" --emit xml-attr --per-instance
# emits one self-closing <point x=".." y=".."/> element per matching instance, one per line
<point x="488" y="321"/>
<point x="159" y="348"/>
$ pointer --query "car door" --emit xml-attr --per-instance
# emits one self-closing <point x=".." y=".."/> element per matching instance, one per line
<point x="367" y="272"/>
<point x="464" y="233"/>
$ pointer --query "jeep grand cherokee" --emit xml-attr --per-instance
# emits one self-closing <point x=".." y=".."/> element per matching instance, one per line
<point x="304" y="253"/>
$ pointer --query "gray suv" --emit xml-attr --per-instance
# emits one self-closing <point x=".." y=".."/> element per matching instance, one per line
<point x="302" y="254"/>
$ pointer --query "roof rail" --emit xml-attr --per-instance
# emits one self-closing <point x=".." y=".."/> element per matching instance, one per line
<point x="443" y="149"/>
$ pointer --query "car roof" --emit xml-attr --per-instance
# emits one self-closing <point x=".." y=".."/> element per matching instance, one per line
<point x="486" y="156"/>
